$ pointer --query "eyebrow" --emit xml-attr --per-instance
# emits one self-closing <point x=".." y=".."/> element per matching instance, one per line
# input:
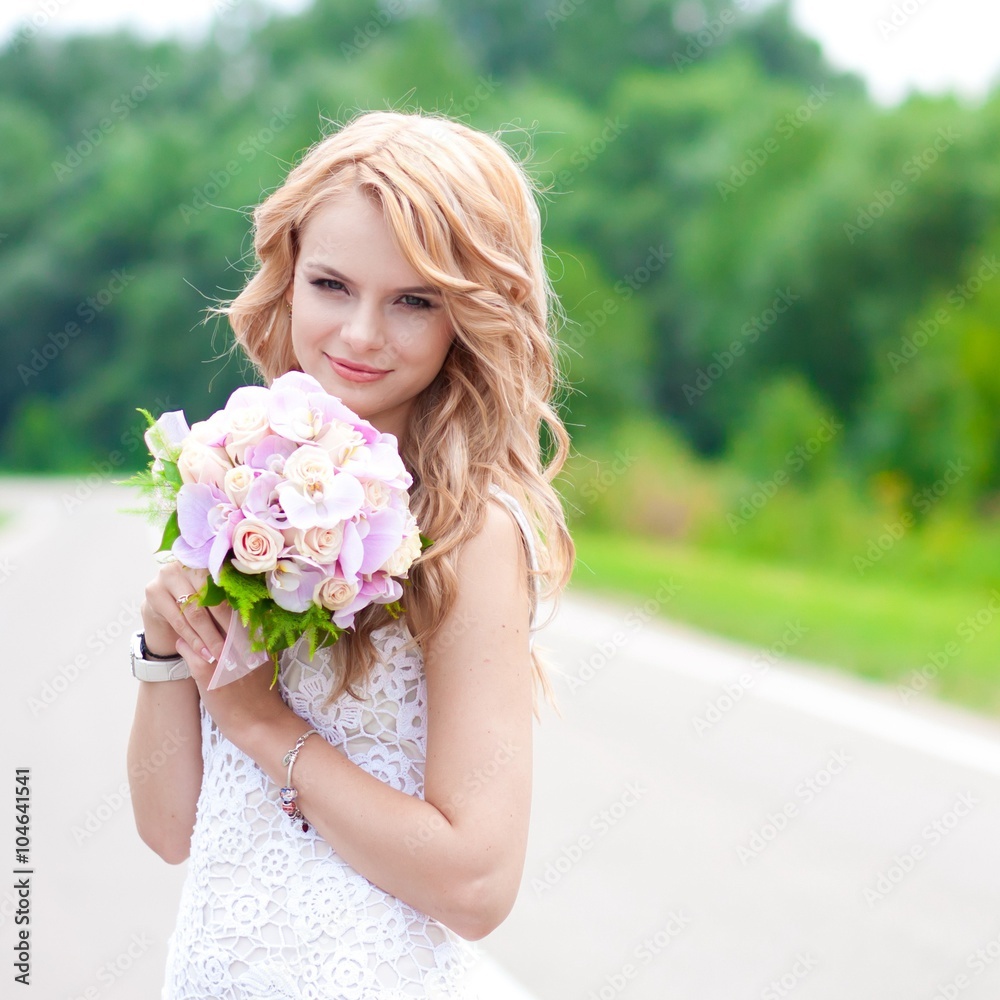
<point x="420" y="289"/>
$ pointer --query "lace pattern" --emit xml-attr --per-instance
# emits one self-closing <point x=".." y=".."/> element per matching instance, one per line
<point x="270" y="911"/>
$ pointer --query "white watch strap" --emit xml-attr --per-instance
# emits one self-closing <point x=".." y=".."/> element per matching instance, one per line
<point x="174" y="669"/>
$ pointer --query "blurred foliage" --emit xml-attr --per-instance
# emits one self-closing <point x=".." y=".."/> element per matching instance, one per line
<point x="745" y="243"/>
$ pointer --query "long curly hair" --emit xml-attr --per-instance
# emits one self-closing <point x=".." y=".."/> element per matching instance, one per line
<point x="461" y="207"/>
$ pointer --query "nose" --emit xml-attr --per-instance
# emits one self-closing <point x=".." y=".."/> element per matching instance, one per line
<point x="362" y="329"/>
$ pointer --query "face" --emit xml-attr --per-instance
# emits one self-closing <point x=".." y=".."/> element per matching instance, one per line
<point x="362" y="324"/>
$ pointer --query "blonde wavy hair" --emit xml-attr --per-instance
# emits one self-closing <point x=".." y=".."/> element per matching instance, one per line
<point x="462" y="210"/>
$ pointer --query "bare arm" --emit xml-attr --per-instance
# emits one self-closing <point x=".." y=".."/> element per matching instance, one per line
<point x="164" y="765"/>
<point x="164" y="749"/>
<point x="458" y="854"/>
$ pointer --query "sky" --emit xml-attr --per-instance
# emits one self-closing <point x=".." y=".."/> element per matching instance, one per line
<point x="931" y="46"/>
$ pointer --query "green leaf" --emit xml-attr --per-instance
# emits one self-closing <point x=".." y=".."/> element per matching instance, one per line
<point x="172" y="474"/>
<point x="211" y="594"/>
<point x="150" y="419"/>
<point x="171" y="532"/>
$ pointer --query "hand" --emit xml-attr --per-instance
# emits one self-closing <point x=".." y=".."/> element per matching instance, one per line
<point x="241" y="706"/>
<point x="166" y="622"/>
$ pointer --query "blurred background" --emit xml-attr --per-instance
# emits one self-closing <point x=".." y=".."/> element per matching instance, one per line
<point x="775" y="231"/>
<point x="783" y="347"/>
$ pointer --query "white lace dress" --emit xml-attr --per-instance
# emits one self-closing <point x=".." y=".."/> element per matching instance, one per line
<point x="268" y="912"/>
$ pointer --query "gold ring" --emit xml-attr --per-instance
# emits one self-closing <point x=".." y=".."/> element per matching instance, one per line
<point x="185" y="598"/>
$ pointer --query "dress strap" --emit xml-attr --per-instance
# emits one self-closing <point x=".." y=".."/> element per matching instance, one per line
<point x="529" y="540"/>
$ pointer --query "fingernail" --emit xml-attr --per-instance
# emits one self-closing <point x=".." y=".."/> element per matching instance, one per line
<point x="207" y="655"/>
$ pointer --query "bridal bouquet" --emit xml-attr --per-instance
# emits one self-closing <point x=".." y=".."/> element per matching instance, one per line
<point x="297" y="508"/>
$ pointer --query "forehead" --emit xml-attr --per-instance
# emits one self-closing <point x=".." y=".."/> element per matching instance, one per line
<point x="349" y="232"/>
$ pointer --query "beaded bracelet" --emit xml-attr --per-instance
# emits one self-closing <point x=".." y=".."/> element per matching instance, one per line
<point x="289" y="794"/>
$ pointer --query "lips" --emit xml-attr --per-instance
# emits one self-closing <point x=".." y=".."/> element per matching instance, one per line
<point x="343" y="362"/>
<point x="352" y="372"/>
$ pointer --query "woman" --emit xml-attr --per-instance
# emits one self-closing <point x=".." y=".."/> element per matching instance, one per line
<point x="401" y="265"/>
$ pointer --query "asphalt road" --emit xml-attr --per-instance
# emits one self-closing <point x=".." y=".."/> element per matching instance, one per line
<point x="705" y="825"/>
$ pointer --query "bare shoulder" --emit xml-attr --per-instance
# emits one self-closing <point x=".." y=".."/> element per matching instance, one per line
<point x="492" y="570"/>
<point x="497" y="546"/>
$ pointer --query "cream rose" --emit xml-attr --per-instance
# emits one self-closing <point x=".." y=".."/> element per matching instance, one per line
<point x="247" y="426"/>
<point x="376" y="493"/>
<point x="198" y="463"/>
<point x="256" y="546"/>
<point x="309" y="468"/>
<point x="321" y="544"/>
<point x="237" y="484"/>
<point x="341" y="441"/>
<point x="334" y="593"/>
<point x="399" y="562"/>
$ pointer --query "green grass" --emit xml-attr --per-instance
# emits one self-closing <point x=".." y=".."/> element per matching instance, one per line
<point x="880" y="630"/>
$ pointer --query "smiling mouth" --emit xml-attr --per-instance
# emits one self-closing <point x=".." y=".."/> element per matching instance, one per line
<point x="356" y="373"/>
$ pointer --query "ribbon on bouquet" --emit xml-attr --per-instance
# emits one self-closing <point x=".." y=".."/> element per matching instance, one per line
<point x="237" y="659"/>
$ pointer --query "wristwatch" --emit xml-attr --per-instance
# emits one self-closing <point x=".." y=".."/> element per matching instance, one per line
<point x="147" y="667"/>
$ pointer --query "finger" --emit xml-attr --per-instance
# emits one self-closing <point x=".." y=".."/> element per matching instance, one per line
<point x="195" y="624"/>
<point x="199" y="659"/>
<point x="202" y="671"/>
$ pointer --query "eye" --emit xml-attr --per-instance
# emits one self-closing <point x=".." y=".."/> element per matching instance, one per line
<point x="327" y="283"/>
<point x="415" y="302"/>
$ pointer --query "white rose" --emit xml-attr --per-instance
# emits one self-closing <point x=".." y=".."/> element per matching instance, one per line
<point x="256" y="546"/>
<point x="247" y="426"/>
<point x="334" y="593"/>
<point x="198" y="463"/>
<point x="213" y="429"/>
<point x="321" y="544"/>
<point x="237" y="484"/>
<point x="400" y="561"/>
<point x="309" y="468"/>
<point x="376" y="493"/>
<point x="341" y="440"/>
